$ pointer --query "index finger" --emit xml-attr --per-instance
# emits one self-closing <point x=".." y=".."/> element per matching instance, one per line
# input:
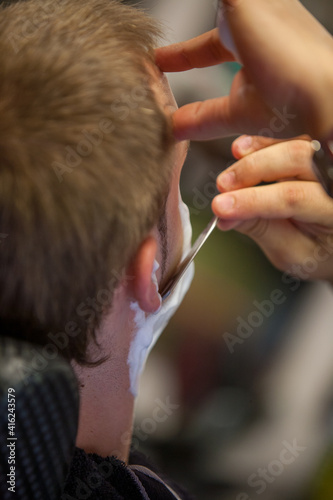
<point x="199" y="52"/>
<point x="280" y="161"/>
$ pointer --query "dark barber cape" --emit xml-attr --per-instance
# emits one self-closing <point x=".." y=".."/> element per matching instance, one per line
<point x="97" y="478"/>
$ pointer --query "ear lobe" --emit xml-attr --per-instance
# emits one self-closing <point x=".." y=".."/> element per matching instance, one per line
<point x="144" y="288"/>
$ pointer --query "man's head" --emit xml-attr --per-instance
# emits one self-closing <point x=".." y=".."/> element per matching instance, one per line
<point x="88" y="166"/>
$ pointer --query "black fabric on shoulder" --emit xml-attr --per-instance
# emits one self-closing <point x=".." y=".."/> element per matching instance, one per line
<point x="92" y="477"/>
<point x="96" y="478"/>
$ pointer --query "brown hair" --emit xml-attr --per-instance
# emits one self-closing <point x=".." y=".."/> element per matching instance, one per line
<point x="84" y="161"/>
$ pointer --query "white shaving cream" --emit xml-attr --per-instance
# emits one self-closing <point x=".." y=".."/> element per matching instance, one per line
<point x="149" y="328"/>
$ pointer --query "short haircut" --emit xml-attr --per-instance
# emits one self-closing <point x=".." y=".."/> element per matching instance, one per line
<point x="85" y="166"/>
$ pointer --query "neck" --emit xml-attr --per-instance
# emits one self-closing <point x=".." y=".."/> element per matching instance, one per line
<point x="106" y="403"/>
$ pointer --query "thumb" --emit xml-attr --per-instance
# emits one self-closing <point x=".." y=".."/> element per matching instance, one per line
<point x="200" y="121"/>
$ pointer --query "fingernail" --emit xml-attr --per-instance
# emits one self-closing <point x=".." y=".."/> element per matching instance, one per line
<point x="225" y="202"/>
<point x="244" y="144"/>
<point x="226" y="180"/>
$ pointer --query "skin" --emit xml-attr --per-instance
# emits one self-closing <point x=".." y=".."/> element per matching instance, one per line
<point x="291" y="218"/>
<point x="106" y="411"/>
<point x="286" y="56"/>
<point x="287" y="64"/>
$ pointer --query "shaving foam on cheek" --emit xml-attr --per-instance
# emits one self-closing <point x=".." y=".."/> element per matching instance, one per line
<point x="226" y="36"/>
<point x="142" y="340"/>
<point x="149" y="328"/>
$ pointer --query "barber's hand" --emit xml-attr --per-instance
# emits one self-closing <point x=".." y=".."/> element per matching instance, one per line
<point x="291" y="219"/>
<point x="285" y="87"/>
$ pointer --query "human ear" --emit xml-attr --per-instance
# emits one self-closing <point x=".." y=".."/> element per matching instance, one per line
<point x="144" y="287"/>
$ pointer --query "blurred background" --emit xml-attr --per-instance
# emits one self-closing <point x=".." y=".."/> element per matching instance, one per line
<point x="236" y="402"/>
<point x="244" y="371"/>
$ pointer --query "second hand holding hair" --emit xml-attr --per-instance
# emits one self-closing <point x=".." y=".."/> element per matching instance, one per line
<point x="287" y="71"/>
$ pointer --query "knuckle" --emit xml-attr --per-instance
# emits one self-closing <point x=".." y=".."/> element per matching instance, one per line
<point x="257" y="228"/>
<point x="236" y="172"/>
<point x="299" y="151"/>
<point x="246" y="169"/>
<point x="293" y="195"/>
<point x="253" y="199"/>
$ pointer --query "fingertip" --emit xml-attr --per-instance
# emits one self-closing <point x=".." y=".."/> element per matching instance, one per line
<point x="235" y="152"/>
<point x="215" y="208"/>
<point x="226" y="181"/>
<point x="223" y="205"/>
<point x="182" y="124"/>
<point x="242" y="146"/>
<point x="179" y="133"/>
